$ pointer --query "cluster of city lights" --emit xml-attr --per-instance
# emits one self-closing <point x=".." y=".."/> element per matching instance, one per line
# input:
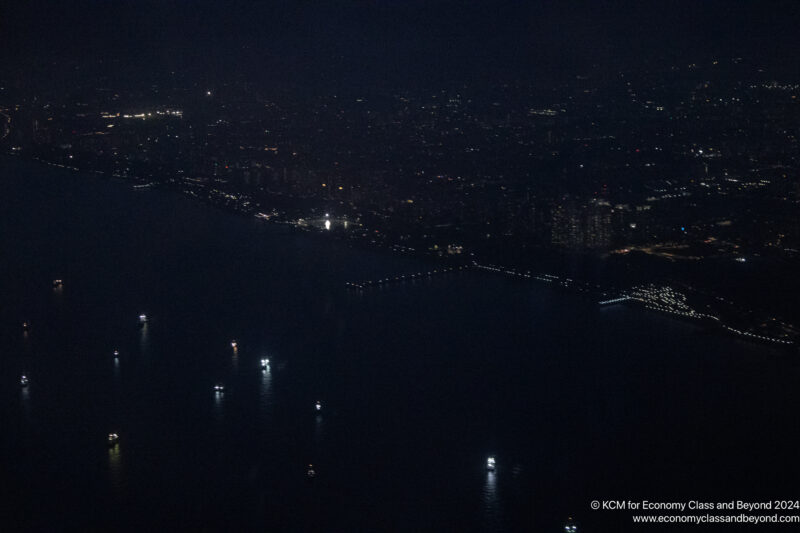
<point x="667" y="300"/>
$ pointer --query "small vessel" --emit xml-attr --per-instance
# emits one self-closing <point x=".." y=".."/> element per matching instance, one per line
<point x="264" y="363"/>
<point x="23" y="381"/>
<point x="219" y="387"/>
<point x="570" y="527"/>
<point x="116" y="353"/>
<point x="57" y="283"/>
<point x="310" y="473"/>
<point x="318" y="405"/>
<point x="234" y="345"/>
<point x="741" y="259"/>
<point x="26" y="326"/>
<point x="113" y="439"/>
<point x="143" y="319"/>
<point x="490" y="463"/>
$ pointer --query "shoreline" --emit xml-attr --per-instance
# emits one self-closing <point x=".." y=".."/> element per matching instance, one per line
<point x="603" y="295"/>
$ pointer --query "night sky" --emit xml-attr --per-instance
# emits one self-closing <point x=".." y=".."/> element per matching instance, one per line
<point x="397" y="41"/>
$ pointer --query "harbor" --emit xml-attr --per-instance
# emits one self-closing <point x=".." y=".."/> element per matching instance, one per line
<point x="418" y="386"/>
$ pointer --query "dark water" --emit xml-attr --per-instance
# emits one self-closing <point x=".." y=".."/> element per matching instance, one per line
<point x="419" y="383"/>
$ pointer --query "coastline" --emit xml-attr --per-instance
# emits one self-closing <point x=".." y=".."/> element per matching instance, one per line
<point x="600" y="293"/>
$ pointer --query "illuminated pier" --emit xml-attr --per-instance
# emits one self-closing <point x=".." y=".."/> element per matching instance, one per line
<point x="567" y="283"/>
<point x="663" y="299"/>
<point x="361" y="285"/>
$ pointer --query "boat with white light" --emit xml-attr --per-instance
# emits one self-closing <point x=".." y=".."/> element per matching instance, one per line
<point x="490" y="464"/>
<point x="143" y="319"/>
<point x="57" y="283"/>
<point x="311" y="473"/>
<point x="318" y="406"/>
<point x="264" y="363"/>
<point x="570" y="527"/>
<point x="113" y="439"/>
<point x="23" y="381"/>
<point x="219" y="387"/>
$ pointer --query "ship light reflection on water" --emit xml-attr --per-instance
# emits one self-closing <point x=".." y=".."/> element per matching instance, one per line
<point x="144" y="336"/>
<point x="115" y="466"/>
<point x="492" y="513"/>
<point x="265" y="387"/>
